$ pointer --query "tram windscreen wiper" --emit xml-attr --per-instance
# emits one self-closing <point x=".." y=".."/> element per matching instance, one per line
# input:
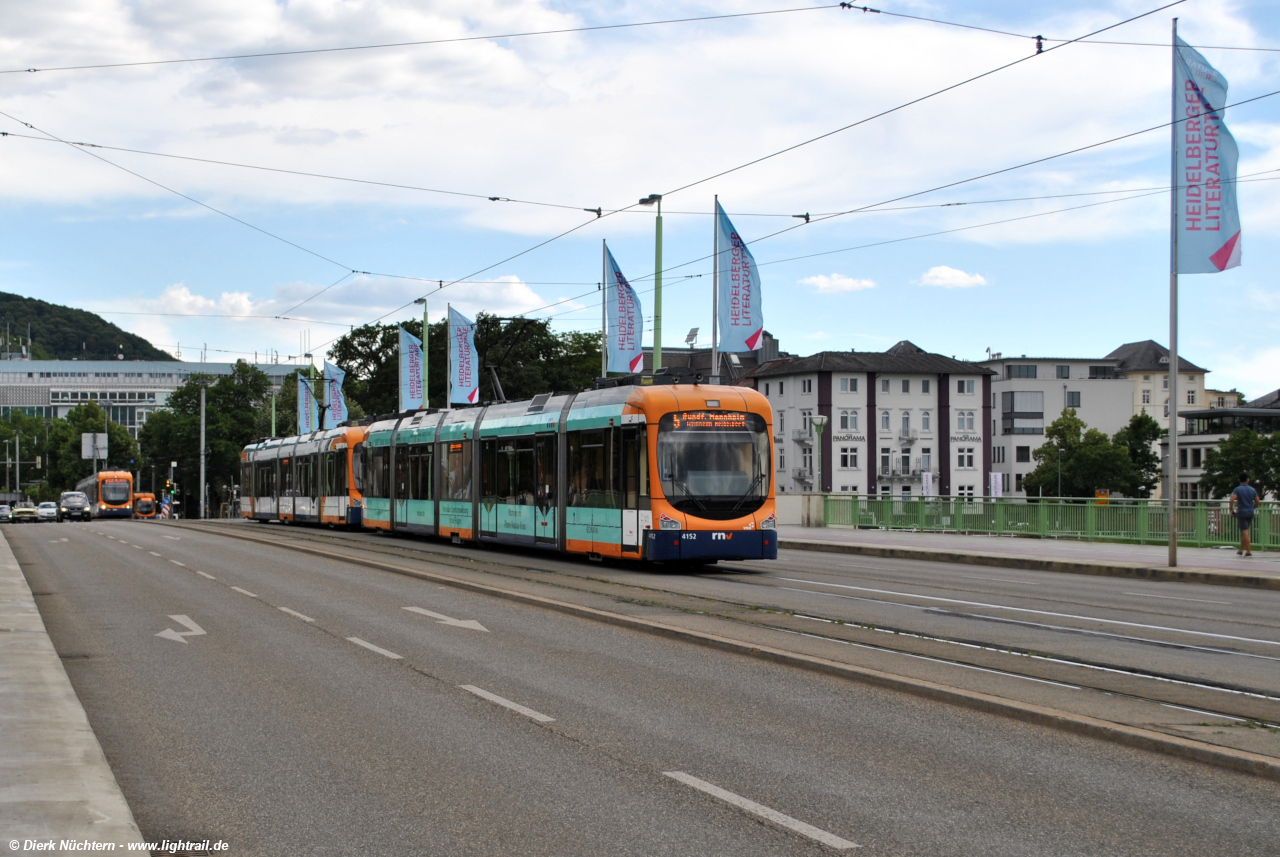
<point x="747" y="493"/>
<point x="685" y="488"/>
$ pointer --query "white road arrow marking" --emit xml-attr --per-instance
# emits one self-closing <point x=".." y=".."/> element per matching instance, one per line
<point x="193" y="630"/>
<point x="448" y="620"/>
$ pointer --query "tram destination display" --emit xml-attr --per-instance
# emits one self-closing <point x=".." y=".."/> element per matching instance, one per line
<point x="708" y="421"/>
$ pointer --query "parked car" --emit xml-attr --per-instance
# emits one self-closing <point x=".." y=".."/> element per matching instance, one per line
<point x="74" y="505"/>
<point x="6" y="513"/>
<point x="25" y="511"/>
<point x="47" y="511"/>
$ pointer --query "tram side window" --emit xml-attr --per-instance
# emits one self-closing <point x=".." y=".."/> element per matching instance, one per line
<point x="335" y="473"/>
<point x="419" y="473"/>
<point x="305" y="482"/>
<point x="593" y="469"/>
<point x="545" y="478"/>
<point x="357" y="466"/>
<point x="377" y="475"/>
<point x="513" y="471"/>
<point x="457" y="472"/>
<point x="246" y="479"/>
<point x="489" y="471"/>
<point x="635" y="465"/>
<point x="286" y="478"/>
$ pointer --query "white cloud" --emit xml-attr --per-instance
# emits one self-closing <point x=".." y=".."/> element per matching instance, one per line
<point x="835" y="283"/>
<point x="951" y="278"/>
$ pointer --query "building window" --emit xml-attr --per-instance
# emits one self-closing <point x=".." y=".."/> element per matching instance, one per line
<point x="806" y="385"/>
<point x="780" y="383"/>
<point x="964" y="388"/>
<point x="906" y="461"/>
<point x="884" y="460"/>
<point x="884" y="385"/>
<point x="924" y="421"/>
<point x="924" y="386"/>
<point x="1018" y="371"/>
<point x="965" y="491"/>
<point x="782" y="459"/>
<point x="964" y="420"/>
<point x="1191" y="397"/>
<point x="1166" y="382"/>
<point x="884" y="421"/>
<point x="1022" y="412"/>
<point x="926" y="458"/>
<point x="997" y="455"/>
<point x="964" y="456"/>
<point x="1102" y="373"/>
<point x="906" y="422"/>
<point x="1182" y="458"/>
<point x="1017" y="482"/>
<point x="1166" y="407"/>
<point x="849" y="420"/>
<point x="1073" y="399"/>
<point x="1191" y="379"/>
<point x="806" y="421"/>
<point x="1197" y="459"/>
<point x="848" y="385"/>
<point x="1022" y="453"/>
<point x="806" y="459"/>
<point x="782" y="422"/>
<point x="849" y="457"/>
<point x="906" y="385"/>
<point x="1064" y="372"/>
<point x="766" y="388"/>
<point x="1146" y="377"/>
<point x="1146" y="397"/>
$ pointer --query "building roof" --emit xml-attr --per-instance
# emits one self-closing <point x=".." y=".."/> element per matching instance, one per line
<point x="905" y="358"/>
<point x="1149" y="356"/>
<point x="1270" y="400"/>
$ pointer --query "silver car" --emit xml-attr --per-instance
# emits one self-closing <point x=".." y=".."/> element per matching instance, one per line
<point x="6" y="513"/>
<point x="47" y="512"/>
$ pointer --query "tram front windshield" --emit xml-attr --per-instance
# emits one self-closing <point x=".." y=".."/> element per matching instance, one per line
<point x="115" y="491"/>
<point x="714" y="464"/>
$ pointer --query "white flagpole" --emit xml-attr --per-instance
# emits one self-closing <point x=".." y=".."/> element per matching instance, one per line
<point x="715" y="292"/>
<point x="1171" y="471"/>
<point x="448" y="357"/>
<point x="604" y="320"/>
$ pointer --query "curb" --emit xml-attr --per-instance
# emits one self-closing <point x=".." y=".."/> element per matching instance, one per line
<point x="1132" y="736"/>
<point x="1190" y="574"/>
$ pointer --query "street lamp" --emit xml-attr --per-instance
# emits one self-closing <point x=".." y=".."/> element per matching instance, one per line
<point x="819" y="423"/>
<point x="656" y="199"/>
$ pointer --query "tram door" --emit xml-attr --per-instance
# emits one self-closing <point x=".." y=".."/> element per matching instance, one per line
<point x="636" y="514"/>
<point x="545" y="516"/>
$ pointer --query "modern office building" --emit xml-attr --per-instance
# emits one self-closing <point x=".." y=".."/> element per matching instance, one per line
<point x="901" y="422"/>
<point x="1031" y="392"/>
<point x="130" y="390"/>
<point x="1206" y="428"/>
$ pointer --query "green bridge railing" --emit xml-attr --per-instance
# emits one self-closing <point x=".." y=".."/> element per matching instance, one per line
<point x="1201" y="523"/>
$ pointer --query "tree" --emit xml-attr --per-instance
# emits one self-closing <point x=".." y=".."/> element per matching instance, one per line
<point x="57" y="442"/>
<point x="233" y="407"/>
<point x="530" y="359"/>
<point x="1244" y="451"/>
<point x="1089" y="460"/>
<point x="1139" y="438"/>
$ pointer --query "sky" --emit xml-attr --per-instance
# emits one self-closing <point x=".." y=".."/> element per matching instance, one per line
<point x="1064" y="258"/>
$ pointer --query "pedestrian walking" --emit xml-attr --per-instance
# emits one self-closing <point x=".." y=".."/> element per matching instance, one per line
<point x="1244" y="500"/>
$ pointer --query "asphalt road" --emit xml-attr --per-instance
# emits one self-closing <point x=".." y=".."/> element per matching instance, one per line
<point x="287" y="726"/>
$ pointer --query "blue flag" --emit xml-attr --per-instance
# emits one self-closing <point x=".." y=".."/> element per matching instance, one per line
<point x="1205" y="155"/>
<point x="464" y="376"/>
<point x="306" y="407"/>
<point x="410" y="371"/>
<point x="625" y="321"/>
<point x="333" y="378"/>
<point x="741" y="319"/>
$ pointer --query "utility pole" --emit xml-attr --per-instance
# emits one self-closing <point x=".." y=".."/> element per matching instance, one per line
<point x="203" y="388"/>
<point x="652" y="199"/>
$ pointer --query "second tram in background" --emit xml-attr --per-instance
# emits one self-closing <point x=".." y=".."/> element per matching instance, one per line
<point x="110" y="493"/>
<point x="665" y="473"/>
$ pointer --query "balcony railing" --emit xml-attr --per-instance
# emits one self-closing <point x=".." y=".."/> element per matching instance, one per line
<point x="802" y="474"/>
<point x="906" y="435"/>
<point x="802" y="435"/>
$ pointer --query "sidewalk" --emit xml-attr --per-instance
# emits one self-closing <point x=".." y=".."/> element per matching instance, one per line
<point x="1199" y="565"/>
<point x="55" y="783"/>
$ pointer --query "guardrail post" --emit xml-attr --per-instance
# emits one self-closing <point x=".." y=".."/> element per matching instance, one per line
<point x="1202" y="523"/>
<point x="1000" y="523"/>
<point x="1144" y="523"/>
<point x="1090" y="519"/>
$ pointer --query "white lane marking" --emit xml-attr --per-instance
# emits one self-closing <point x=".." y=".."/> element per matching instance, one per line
<point x="446" y="620"/>
<point x="1035" y="612"/>
<point x="371" y="647"/>
<point x="506" y="703"/>
<point x="1176" y="598"/>
<point x="63" y="540"/>
<point x="244" y="592"/>
<point x="210" y="576"/>
<point x="1201" y="711"/>
<point x="140" y="547"/>
<point x="175" y="562"/>
<point x="795" y="825"/>
<point x="193" y="630"/>
<point x="296" y="614"/>
<point x="175" y="538"/>
<point x="999" y="579"/>
<point x="153" y="553"/>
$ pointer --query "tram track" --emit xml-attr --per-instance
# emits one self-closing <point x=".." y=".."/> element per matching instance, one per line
<point x="1231" y="701"/>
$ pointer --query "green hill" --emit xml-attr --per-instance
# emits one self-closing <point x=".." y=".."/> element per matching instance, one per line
<point x="63" y="333"/>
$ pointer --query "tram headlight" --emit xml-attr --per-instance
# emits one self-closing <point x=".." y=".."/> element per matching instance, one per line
<point x="769" y="523"/>
<point x="668" y="523"/>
